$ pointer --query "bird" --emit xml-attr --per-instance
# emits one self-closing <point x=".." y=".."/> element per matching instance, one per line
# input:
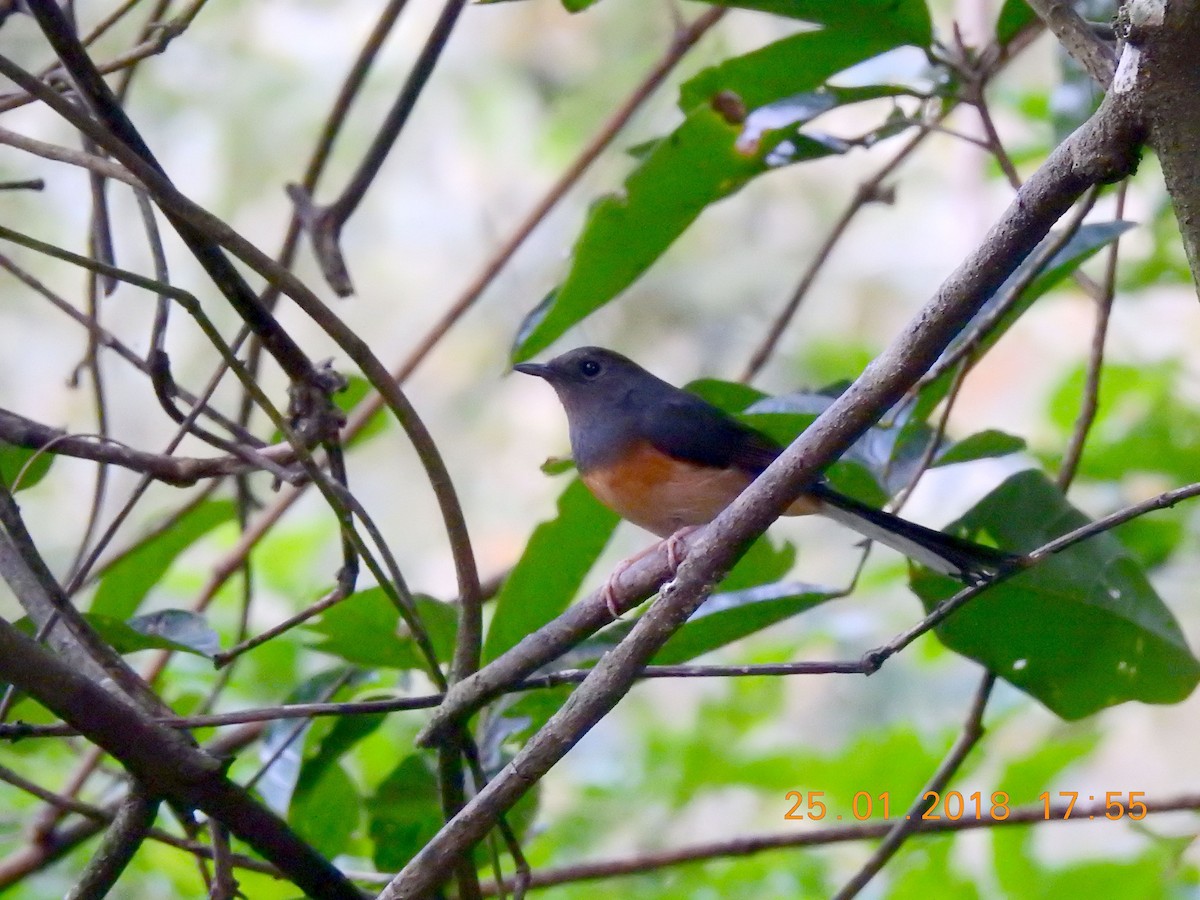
<point x="669" y="461"/>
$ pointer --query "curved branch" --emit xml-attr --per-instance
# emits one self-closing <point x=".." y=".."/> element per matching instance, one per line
<point x="177" y="470"/>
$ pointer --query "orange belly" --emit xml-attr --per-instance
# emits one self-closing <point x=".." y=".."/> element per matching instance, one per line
<point x="663" y="494"/>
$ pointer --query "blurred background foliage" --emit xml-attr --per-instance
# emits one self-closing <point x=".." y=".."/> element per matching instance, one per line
<point x="232" y="109"/>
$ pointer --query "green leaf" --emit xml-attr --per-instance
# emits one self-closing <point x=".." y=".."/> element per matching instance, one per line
<point x="907" y="20"/>
<point x="127" y="581"/>
<point x="785" y="68"/>
<point x="750" y="599"/>
<point x="366" y="630"/>
<point x="730" y="396"/>
<point x="861" y="470"/>
<point x="763" y="563"/>
<point x="325" y="804"/>
<point x="1082" y="631"/>
<point x="696" y="165"/>
<point x="1015" y="16"/>
<point x="174" y="629"/>
<point x="982" y="445"/>
<point x="404" y="814"/>
<point x="15" y="464"/>
<point x="728" y="617"/>
<point x="340" y="739"/>
<point x="707" y="158"/>
<point x="325" y="810"/>
<point x="356" y="390"/>
<point x="549" y="573"/>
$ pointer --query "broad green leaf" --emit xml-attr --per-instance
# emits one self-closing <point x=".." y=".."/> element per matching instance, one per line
<point x="1015" y="16"/>
<point x="325" y="810"/>
<point x="750" y="599"/>
<point x="707" y="158"/>
<point x="404" y="814"/>
<point x="730" y="396"/>
<point x="15" y="464"/>
<point x="127" y="581"/>
<point x="906" y="19"/>
<point x="698" y="164"/>
<point x="870" y="470"/>
<point x="864" y="19"/>
<point x="365" y="629"/>
<point x="549" y="573"/>
<point x="862" y="469"/>
<point x="1080" y="632"/>
<point x="728" y="617"/>
<point x="1152" y="539"/>
<point x="982" y="445"/>
<point x="764" y="563"/>
<point x="340" y="737"/>
<point x="786" y="68"/>
<point x="325" y="804"/>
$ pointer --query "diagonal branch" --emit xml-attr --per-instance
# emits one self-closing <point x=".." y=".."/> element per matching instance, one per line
<point x="1078" y="38"/>
<point x="164" y="762"/>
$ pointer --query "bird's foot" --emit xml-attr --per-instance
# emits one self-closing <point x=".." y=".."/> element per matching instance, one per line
<point x="676" y="547"/>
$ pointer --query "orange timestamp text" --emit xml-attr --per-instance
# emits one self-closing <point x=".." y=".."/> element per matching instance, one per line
<point x="954" y="806"/>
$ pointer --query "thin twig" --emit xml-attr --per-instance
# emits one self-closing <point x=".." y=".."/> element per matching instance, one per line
<point x="972" y="731"/>
<point x="1095" y="367"/>
<point x="1036" y="814"/>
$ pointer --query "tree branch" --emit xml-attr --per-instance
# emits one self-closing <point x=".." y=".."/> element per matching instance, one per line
<point x="164" y="762"/>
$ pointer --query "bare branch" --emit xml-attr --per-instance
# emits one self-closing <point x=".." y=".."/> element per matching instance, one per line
<point x="1038" y="814"/>
<point x="129" y="829"/>
<point x="1078" y="39"/>
<point x="177" y="470"/>
<point x="165" y="763"/>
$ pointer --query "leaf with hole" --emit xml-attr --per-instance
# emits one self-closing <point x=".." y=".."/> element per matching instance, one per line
<point x="1081" y="631"/>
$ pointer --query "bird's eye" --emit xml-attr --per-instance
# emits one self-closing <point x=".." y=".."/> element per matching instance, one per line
<point x="590" y="368"/>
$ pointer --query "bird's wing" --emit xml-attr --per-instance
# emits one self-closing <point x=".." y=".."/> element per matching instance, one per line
<point x="689" y="428"/>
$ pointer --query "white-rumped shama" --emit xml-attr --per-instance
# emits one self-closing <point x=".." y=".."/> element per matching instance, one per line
<point x="667" y="460"/>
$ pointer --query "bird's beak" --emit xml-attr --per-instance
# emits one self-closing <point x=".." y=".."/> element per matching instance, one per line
<point x="538" y="369"/>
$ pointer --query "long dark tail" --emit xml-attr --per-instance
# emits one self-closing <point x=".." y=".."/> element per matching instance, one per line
<point x="965" y="560"/>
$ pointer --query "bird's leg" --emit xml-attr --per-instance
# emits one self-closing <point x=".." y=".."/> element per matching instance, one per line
<point x="676" y="547"/>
